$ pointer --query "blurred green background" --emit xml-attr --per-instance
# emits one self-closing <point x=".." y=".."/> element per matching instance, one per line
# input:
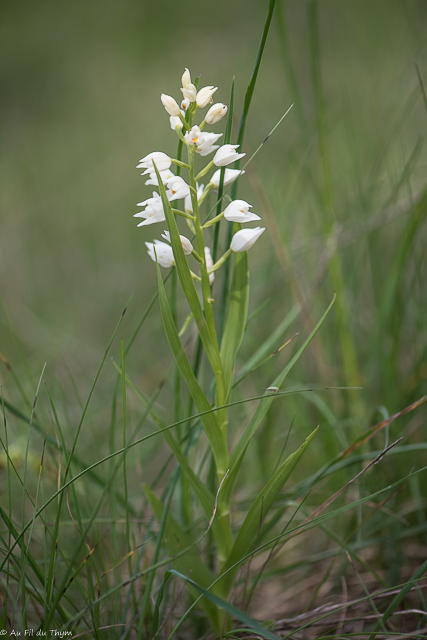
<point x="343" y="174"/>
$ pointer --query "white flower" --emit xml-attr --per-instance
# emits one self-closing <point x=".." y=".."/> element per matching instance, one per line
<point x="163" y="252"/>
<point x="203" y="141"/>
<point x="153" y="210"/>
<point x="188" y="205"/>
<point x="170" y="105"/>
<point x="178" y="188"/>
<point x="188" y="89"/>
<point x="209" y="264"/>
<point x="205" y="95"/>
<point x="176" y="121"/>
<point x="161" y="160"/>
<point x="185" y="104"/>
<point x="216" y="112"/>
<point x="186" y="244"/>
<point x="194" y="136"/>
<point x="245" y="238"/>
<point x="208" y="146"/>
<point x="238" y="211"/>
<point x="229" y="176"/>
<point x="164" y="177"/>
<point x="226" y="155"/>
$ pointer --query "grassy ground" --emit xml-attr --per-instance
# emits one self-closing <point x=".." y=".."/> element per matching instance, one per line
<point x="341" y="187"/>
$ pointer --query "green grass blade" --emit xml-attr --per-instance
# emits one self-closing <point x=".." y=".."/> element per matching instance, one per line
<point x="265" y="350"/>
<point x="190" y="563"/>
<point x="236" y="318"/>
<point x="400" y="596"/>
<point x="206" y="497"/>
<point x="263" y="503"/>
<point x="239" y="450"/>
<point x="159" y="600"/>
<point x="252" y="83"/>
<point x="253" y="625"/>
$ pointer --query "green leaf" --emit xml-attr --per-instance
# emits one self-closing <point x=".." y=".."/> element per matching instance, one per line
<point x="159" y="600"/>
<point x="222" y="533"/>
<point x="243" y="443"/>
<point x="248" y="531"/>
<point x="190" y="563"/>
<point x="253" y="625"/>
<point x="236" y="318"/>
<point x="209" y="421"/>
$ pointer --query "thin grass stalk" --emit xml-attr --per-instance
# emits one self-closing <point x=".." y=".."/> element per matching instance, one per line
<point x="9" y="493"/>
<point x="21" y="586"/>
<point x="124" y="442"/>
<point x="158" y="548"/>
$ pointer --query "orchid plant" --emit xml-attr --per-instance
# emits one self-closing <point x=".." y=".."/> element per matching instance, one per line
<point x="221" y="351"/>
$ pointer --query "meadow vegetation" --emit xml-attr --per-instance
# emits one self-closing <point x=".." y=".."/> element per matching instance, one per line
<point x="91" y="496"/>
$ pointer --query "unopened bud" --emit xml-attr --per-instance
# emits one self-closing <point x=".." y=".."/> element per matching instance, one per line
<point x="204" y="96"/>
<point x="171" y="105"/>
<point x="216" y="112"/>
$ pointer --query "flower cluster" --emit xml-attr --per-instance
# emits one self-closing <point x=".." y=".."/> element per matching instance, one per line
<point x="158" y="165"/>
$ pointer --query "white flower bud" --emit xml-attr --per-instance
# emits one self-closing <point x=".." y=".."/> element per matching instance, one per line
<point x="204" y="96"/>
<point x="190" y="92"/>
<point x="175" y="122"/>
<point x="216" y="112"/>
<point x="163" y="252"/>
<point x="238" y="211"/>
<point x="186" y="78"/>
<point x="186" y="244"/>
<point x="185" y="104"/>
<point x="245" y="239"/>
<point x="226" y="155"/>
<point x="188" y="89"/>
<point x="229" y="176"/>
<point x="170" y="105"/>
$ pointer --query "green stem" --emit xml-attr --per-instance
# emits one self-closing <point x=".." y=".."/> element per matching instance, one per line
<point x="205" y="192"/>
<point x="180" y="136"/>
<point x="221" y="261"/>
<point x="186" y="124"/>
<point x="179" y="163"/>
<point x="213" y="221"/>
<point x="195" y="277"/>
<point x="204" y="171"/>
<point x="182" y="214"/>
<point x="206" y="290"/>
<point x="197" y="257"/>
